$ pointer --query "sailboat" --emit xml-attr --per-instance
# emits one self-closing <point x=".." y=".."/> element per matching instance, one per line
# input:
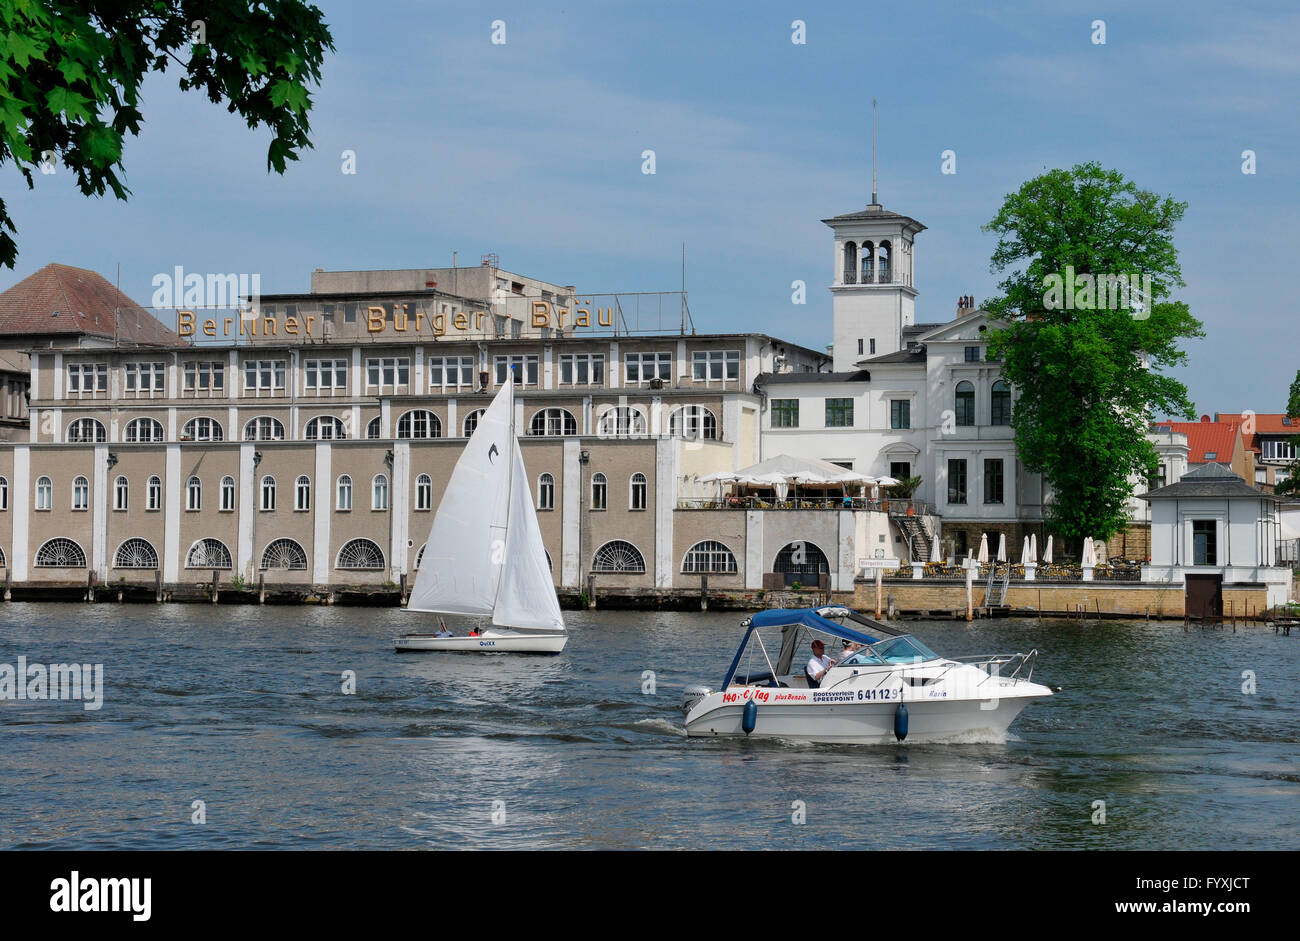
<point x="484" y="556"/>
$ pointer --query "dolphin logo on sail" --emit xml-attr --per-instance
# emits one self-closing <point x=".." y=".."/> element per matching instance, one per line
<point x="492" y="451"/>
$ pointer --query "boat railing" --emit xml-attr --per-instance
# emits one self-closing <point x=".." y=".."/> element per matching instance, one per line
<point x="996" y="664"/>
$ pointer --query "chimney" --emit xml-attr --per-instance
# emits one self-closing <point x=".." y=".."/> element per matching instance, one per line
<point x="965" y="304"/>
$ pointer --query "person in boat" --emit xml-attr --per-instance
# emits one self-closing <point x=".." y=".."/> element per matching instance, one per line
<point x="849" y="649"/>
<point x="474" y="632"/>
<point x="442" y="630"/>
<point x="817" y="665"/>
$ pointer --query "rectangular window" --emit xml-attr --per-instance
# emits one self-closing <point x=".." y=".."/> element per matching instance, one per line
<point x="873" y="346"/>
<point x="785" y="413"/>
<point x="1205" y="542"/>
<point x="263" y="375"/>
<point x="642" y="367"/>
<point x="900" y="470"/>
<point x="144" y="377"/>
<point x="451" y="372"/>
<point x="202" y="377"/>
<point x="325" y="374"/>
<point x="388" y="373"/>
<point x="88" y="378"/>
<point x="900" y="413"/>
<point x="957" y="480"/>
<point x="524" y="366"/>
<point x="859" y="346"/>
<point x="972" y="354"/>
<point x="582" y="369"/>
<point x="839" y="413"/>
<point x="715" y="365"/>
<point x="993" y="483"/>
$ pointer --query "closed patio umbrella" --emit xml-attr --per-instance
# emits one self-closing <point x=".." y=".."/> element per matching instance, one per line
<point x="983" y="557"/>
<point x="1089" y="552"/>
<point x="1002" y="547"/>
<point x="1047" y="553"/>
<point x="1033" y="547"/>
<point x="1024" y="552"/>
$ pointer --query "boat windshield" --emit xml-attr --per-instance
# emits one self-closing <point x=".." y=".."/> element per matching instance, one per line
<point x="905" y="649"/>
<point x="860" y="658"/>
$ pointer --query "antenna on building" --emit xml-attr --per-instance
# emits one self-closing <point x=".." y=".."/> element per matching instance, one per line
<point x="683" y="289"/>
<point x="874" y="128"/>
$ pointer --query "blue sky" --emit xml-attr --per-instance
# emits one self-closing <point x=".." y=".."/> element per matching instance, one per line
<point x="532" y="150"/>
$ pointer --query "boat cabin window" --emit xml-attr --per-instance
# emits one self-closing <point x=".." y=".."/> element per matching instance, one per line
<point x="860" y="658"/>
<point x="905" y="649"/>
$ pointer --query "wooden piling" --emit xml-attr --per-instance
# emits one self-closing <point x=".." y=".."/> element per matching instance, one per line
<point x="591" y="592"/>
<point x="704" y="592"/>
<point x="214" y="586"/>
<point x="880" y="574"/>
<point x="157" y="586"/>
<point x="261" y="588"/>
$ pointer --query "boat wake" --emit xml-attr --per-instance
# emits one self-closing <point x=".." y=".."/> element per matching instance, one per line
<point x="663" y="725"/>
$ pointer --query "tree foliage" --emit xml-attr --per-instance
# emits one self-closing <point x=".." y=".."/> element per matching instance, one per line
<point x="70" y="77"/>
<point x="1292" y="483"/>
<point x="1089" y="376"/>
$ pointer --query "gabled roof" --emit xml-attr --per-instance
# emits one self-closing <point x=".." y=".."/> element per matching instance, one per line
<point x="1208" y="480"/>
<point x="61" y="299"/>
<point x="1206" y="440"/>
<point x="1269" y="423"/>
<point x="900" y="356"/>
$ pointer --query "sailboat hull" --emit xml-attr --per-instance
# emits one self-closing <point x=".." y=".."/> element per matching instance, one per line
<point x="491" y="641"/>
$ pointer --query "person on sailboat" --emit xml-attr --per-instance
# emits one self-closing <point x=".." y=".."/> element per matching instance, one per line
<point x="443" y="630"/>
<point x="474" y="632"/>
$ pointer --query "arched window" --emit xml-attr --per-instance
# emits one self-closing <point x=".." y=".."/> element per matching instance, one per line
<point x="620" y="557"/>
<point x="424" y="492"/>
<point x="153" y="494"/>
<point x="868" y="262"/>
<point x="709" y="557"/>
<point x="379" y="493"/>
<point x="302" y="493"/>
<point x="965" y="403"/>
<point x="4" y="493"/>
<point x="143" y="429"/>
<point x="419" y="556"/>
<point x="135" y="554"/>
<point x="545" y="492"/>
<point x="693" y="421"/>
<point x="121" y="493"/>
<point x="623" y="420"/>
<point x="268" y="493"/>
<point x="372" y="427"/>
<point x="850" y="263"/>
<point x="86" y="431"/>
<point x="60" y="553"/>
<point x="44" y="494"/>
<point x="639" y="492"/>
<point x="553" y="422"/>
<point x="471" y="421"/>
<point x="361" y="555"/>
<point x="801" y="561"/>
<point x="284" y="554"/>
<point x="599" y="492"/>
<point x="80" y="493"/>
<point x="344" y="501"/>
<point x="264" y="428"/>
<point x="227" y="493"/>
<point x="208" y="554"/>
<point x="202" y="429"/>
<point x="1001" y="408"/>
<point x="883" y="260"/>
<point x="194" y="494"/>
<point x="419" y="423"/>
<point x="325" y="428"/>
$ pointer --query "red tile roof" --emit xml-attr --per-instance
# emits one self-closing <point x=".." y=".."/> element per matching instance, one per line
<point x="1265" y="424"/>
<point x="1206" y="437"/>
<point x="60" y="299"/>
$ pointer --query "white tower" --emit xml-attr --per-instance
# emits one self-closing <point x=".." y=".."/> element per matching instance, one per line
<point x="873" y="296"/>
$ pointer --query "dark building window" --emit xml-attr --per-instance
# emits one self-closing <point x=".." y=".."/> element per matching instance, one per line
<point x="900" y="413"/>
<point x="785" y="413"/>
<point x="972" y="354"/>
<point x="1001" y="414"/>
<point x="993" y="484"/>
<point x="965" y="402"/>
<point x="900" y="470"/>
<point x="957" y="480"/>
<point x="839" y="413"/>
<point x="1205" y="542"/>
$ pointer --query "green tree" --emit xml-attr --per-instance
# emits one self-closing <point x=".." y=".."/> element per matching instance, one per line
<point x="70" y="77"/>
<point x="1292" y="483"/>
<point x="1087" y="373"/>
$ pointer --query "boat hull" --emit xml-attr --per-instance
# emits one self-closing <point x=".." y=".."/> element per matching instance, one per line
<point x="851" y="722"/>
<point x="491" y="641"/>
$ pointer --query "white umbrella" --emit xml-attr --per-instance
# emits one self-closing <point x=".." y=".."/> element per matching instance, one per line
<point x="984" y="549"/>
<point x="1002" y="547"/>
<point x="1099" y="548"/>
<point x="1033" y="547"/>
<point x="1089" y="553"/>
<point x="720" y="477"/>
<point x="936" y="551"/>
<point x="1047" y="553"/>
<point x="1024" y="552"/>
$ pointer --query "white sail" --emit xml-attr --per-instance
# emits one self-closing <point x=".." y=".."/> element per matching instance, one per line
<point x="462" y="563"/>
<point x="526" y="595"/>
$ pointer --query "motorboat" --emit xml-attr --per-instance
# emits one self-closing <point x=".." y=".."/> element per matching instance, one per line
<point x="484" y="557"/>
<point x="888" y="687"/>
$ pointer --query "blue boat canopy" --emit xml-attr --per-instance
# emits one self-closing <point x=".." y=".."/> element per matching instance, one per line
<point x="808" y="617"/>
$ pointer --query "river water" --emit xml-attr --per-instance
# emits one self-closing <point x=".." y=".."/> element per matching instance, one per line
<point x="243" y="709"/>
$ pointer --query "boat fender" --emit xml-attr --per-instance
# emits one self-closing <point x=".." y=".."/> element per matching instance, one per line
<point x="749" y="718"/>
<point x="900" y="722"/>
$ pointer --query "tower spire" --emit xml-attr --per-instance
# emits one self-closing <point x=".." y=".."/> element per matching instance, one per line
<point x="874" y="126"/>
